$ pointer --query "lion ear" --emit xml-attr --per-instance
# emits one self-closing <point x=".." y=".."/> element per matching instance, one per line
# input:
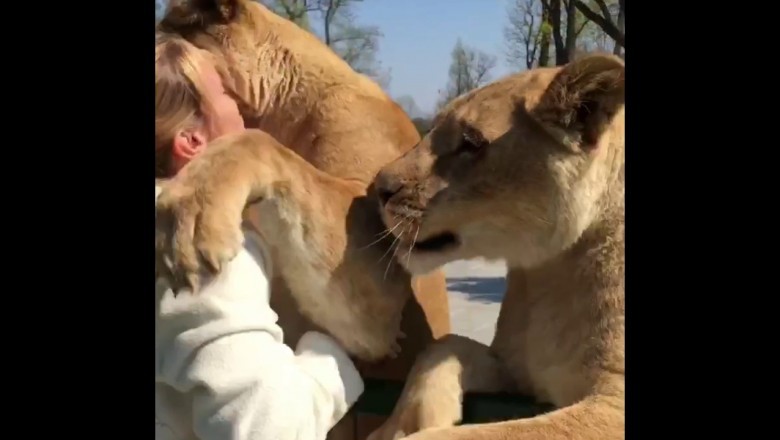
<point x="186" y="13"/>
<point x="582" y="99"/>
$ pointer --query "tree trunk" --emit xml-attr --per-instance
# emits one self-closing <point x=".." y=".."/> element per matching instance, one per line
<point x="621" y="25"/>
<point x="555" y="19"/>
<point x="603" y="19"/>
<point x="544" y="43"/>
<point x="330" y="12"/>
<point x="571" y="30"/>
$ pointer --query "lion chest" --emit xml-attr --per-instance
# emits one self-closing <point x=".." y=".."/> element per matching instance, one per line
<point x="545" y="336"/>
<point x="315" y="292"/>
<point x="333" y="306"/>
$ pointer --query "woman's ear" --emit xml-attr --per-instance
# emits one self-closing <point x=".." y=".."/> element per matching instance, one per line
<point x="187" y="144"/>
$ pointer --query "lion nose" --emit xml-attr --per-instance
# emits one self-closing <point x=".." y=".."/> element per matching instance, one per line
<point x="387" y="187"/>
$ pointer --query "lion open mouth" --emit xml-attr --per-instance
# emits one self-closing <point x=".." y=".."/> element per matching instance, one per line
<point x="437" y="243"/>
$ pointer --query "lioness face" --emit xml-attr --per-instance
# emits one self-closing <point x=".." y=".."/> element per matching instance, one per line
<point x="513" y="170"/>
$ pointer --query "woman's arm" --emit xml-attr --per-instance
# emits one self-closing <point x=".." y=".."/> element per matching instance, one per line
<point x="222" y="350"/>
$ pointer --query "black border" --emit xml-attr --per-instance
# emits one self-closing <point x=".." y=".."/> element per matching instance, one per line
<point x="78" y="209"/>
<point x="690" y="218"/>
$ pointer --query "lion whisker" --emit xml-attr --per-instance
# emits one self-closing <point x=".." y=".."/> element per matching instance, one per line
<point x="391" y="245"/>
<point x="390" y="261"/>
<point x="383" y="236"/>
<point x="403" y="221"/>
<point x="411" y="245"/>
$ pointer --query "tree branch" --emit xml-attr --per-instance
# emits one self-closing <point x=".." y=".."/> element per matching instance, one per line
<point x="604" y="10"/>
<point x="582" y="27"/>
<point x="354" y="34"/>
<point x="605" y="24"/>
<point x="329" y="13"/>
<point x="560" y="45"/>
<point x="531" y="44"/>
<point x="621" y="24"/>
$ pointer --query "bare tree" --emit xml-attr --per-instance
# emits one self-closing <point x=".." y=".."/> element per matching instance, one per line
<point x="564" y="21"/>
<point x="524" y="33"/>
<point x="593" y="39"/>
<point x="604" y="18"/>
<point x="409" y="106"/>
<point x="470" y="69"/>
<point x="571" y="29"/>
<point x="621" y="26"/>
<point x="356" y="44"/>
<point x="554" y="7"/>
<point x="535" y="24"/>
<point x="296" y="11"/>
<point x="334" y="21"/>
<point x="546" y="35"/>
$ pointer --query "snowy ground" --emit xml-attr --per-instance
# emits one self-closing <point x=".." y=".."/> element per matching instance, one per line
<point x="476" y="289"/>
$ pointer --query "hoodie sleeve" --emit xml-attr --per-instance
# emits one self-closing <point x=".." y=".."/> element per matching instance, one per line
<point x="221" y="351"/>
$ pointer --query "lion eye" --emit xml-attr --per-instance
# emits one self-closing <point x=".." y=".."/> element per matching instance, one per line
<point x="467" y="145"/>
<point x="470" y="145"/>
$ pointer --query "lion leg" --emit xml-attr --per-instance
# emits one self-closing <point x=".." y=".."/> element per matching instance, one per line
<point x="593" y="418"/>
<point x="434" y="389"/>
<point x="293" y="323"/>
<point x="425" y="318"/>
<point x="430" y="291"/>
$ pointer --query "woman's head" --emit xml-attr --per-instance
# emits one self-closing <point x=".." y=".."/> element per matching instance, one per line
<point x="191" y="104"/>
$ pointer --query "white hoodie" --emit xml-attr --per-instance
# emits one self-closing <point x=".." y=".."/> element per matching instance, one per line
<point x="223" y="373"/>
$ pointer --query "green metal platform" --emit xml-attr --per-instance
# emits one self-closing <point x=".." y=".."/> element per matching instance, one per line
<point x="380" y="396"/>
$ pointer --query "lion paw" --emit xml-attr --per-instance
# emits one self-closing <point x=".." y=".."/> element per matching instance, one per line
<point x="194" y="236"/>
<point x="395" y="347"/>
<point x="388" y="431"/>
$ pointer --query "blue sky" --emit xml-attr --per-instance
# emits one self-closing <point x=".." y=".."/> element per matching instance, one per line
<point x="420" y="34"/>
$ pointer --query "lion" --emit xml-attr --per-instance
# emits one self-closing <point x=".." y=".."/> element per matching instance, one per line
<point x="292" y="86"/>
<point x="331" y="270"/>
<point x="529" y="169"/>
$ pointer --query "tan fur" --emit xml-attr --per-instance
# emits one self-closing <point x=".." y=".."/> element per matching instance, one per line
<point x="527" y="169"/>
<point x="292" y="86"/>
<point x="331" y="269"/>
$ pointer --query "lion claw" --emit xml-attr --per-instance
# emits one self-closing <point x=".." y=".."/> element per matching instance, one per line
<point x="395" y="350"/>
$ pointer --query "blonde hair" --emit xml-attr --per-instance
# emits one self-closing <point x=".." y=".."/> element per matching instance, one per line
<point x="179" y="94"/>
